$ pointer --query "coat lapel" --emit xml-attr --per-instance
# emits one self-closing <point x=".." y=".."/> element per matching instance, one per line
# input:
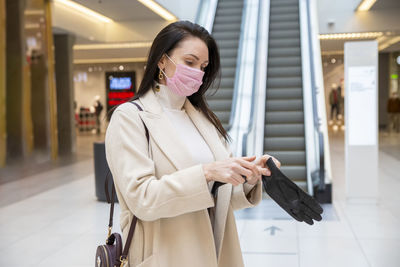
<point x="167" y="138"/>
<point x="163" y="132"/>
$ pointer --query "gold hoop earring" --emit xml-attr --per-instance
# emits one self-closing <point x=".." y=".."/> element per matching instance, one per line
<point x="160" y="75"/>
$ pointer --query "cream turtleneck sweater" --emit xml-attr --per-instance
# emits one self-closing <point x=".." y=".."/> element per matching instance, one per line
<point x="172" y="105"/>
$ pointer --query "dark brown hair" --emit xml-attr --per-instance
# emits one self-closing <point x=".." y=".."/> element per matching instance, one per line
<point x="166" y="40"/>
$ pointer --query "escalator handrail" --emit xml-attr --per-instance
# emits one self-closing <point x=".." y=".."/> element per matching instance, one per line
<point x="239" y="67"/>
<point x="207" y="7"/>
<point x="253" y="93"/>
<point x="316" y="116"/>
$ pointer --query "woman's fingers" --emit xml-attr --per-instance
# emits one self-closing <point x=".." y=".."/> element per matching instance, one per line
<point x="277" y="162"/>
<point x="265" y="171"/>
<point x="249" y="165"/>
<point x="238" y="179"/>
<point x="240" y="170"/>
<point x="265" y="158"/>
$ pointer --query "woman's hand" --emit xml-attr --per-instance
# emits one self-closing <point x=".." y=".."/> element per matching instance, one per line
<point x="263" y="169"/>
<point x="231" y="170"/>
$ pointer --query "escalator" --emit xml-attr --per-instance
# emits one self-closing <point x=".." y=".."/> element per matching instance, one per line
<point x="284" y="135"/>
<point x="226" y="31"/>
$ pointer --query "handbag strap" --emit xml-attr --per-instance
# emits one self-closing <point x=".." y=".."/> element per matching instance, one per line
<point x="112" y="200"/>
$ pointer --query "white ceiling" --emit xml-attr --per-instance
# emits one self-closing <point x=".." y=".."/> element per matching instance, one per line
<point x="120" y="10"/>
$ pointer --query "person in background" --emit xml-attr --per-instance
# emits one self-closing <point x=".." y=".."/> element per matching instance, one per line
<point x="334" y="101"/>
<point x="393" y="109"/>
<point x="98" y="108"/>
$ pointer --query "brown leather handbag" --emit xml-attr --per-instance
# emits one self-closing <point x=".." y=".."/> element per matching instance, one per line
<point x="111" y="254"/>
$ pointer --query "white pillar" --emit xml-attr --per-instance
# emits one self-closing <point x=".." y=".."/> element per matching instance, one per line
<point x="361" y="117"/>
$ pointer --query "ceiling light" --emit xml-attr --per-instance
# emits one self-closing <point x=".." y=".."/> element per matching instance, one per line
<point x="158" y="9"/>
<point x="389" y="42"/>
<point x="110" y="60"/>
<point x="84" y="10"/>
<point x="33" y="12"/>
<point x="112" y="46"/>
<point x="32" y="26"/>
<point x="365" y="5"/>
<point x="359" y="35"/>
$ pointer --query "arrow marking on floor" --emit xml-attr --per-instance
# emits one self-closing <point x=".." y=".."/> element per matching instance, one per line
<point x="272" y="229"/>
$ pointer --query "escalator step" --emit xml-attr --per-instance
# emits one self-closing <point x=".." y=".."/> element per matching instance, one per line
<point x="284" y="93"/>
<point x="284" y="61"/>
<point x="282" y="34"/>
<point x="284" y="117"/>
<point x="284" y="17"/>
<point x="284" y="71"/>
<point x="228" y="53"/>
<point x="228" y="19"/>
<point x="227" y="35"/>
<point x="228" y="61"/>
<point x="284" y="9"/>
<point x="223" y="116"/>
<point x="291" y="25"/>
<point x="284" y="105"/>
<point x="288" y="157"/>
<point x="284" y="82"/>
<point x="284" y="52"/>
<point x="284" y="143"/>
<point x="228" y="72"/>
<point x="220" y="104"/>
<point x="229" y="4"/>
<point x="220" y="27"/>
<point x="231" y="11"/>
<point x="287" y="42"/>
<point x="275" y="3"/>
<point x="227" y="82"/>
<point x="221" y="93"/>
<point x="223" y="44"/>
<point x="282" y="130"/>
<point x="295" y="172"/>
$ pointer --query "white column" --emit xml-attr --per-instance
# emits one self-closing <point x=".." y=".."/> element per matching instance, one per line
<point x="361" y="117"/>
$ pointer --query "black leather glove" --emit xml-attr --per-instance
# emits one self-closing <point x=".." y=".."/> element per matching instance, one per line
<point x="290" y="197"/>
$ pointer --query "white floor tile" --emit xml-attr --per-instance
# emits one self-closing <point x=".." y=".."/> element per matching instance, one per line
<point x="382" y="252"/>
<point x="270" y="260"/>
<point x="331" y="252"/>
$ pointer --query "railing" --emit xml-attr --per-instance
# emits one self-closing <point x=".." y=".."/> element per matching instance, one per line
<point x="316" y="178"/>
<point x="254" y="132"/>
<point x="205" y="17"/>
<point x="206" y="13"/>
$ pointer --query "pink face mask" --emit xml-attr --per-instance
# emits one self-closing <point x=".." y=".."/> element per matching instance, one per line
<point x="185" y="81"/>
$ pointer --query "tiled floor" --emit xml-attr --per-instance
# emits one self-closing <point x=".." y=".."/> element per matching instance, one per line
<point x="60" y="224"/>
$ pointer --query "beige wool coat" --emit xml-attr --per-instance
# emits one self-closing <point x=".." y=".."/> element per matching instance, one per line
<point x="168" y="192"/>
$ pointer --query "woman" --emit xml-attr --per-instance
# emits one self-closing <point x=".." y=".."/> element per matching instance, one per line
<point x="166" y="183"/>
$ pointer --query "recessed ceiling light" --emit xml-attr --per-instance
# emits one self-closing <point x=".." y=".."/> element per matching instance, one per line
<point x="158" y="9"/>
<point x="365" y="5"/>
<point x="358" y="35"/>
<point x="112" y="46"/>
<point x="83" y="10"/>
